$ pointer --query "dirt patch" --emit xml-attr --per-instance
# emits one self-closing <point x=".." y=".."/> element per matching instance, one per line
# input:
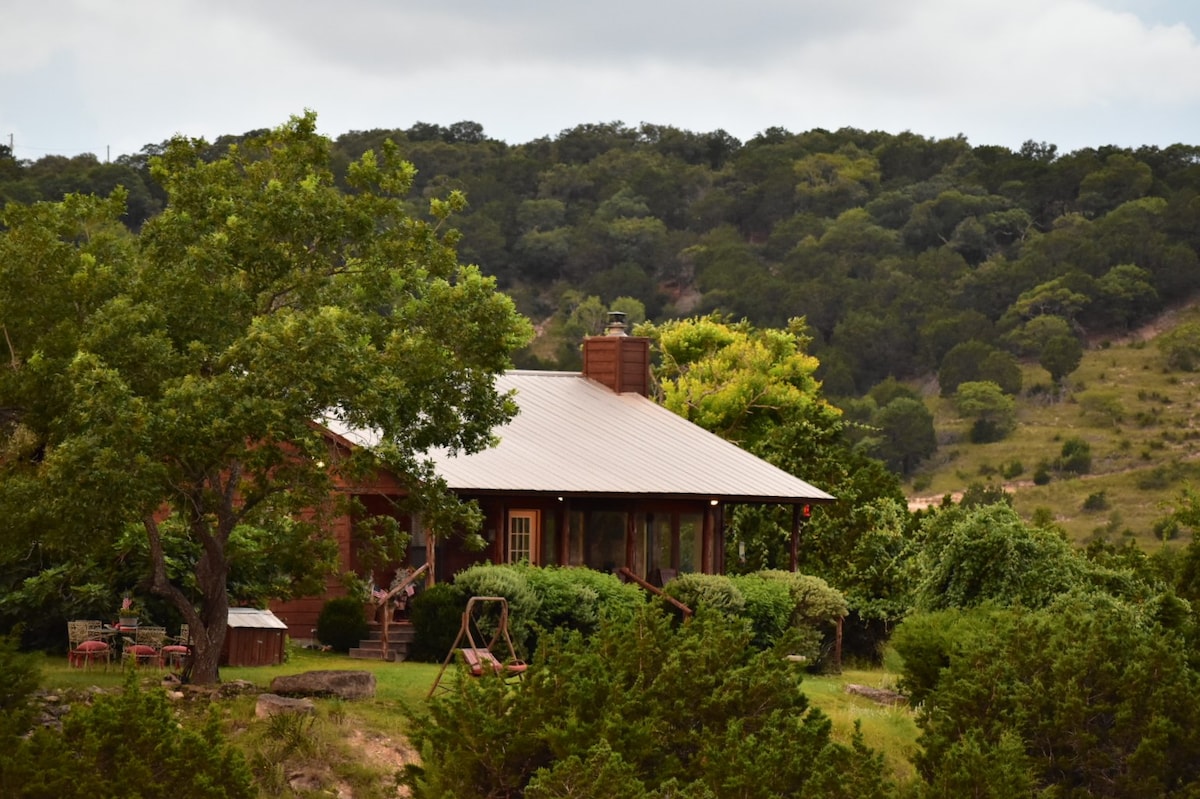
<point x="386" y="754"/>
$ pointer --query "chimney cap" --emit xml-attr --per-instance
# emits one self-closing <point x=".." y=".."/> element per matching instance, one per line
<point x="616" y="324"/>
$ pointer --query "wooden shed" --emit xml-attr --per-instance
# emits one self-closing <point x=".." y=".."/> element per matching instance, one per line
<point x="254" y="638"/>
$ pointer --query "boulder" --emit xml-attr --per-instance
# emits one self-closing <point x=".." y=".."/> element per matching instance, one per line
<point x="344" y="684"/>
<point x="274" y="705"/>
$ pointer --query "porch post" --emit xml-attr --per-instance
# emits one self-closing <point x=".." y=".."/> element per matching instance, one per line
<point x="706" y="542"/>
<point x="630" y="532"/>
<point x="795" y="544"/>
<point x="563" y="518"/>
<point x="430" y="557"/>
<point x="501" y="541"/>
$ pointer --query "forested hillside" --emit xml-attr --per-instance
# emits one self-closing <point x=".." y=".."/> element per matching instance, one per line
<point x="896" y="248"/>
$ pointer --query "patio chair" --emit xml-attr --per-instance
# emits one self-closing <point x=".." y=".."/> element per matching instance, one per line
<point x="175" y="655"/>
<point x="146" y="647"/>
<point x="85" y="645"/>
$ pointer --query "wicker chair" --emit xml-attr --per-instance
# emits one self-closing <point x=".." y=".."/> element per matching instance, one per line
<point x="86" y="646"/>
<point x="146" y="647"/>
<point x="175" y="655"/>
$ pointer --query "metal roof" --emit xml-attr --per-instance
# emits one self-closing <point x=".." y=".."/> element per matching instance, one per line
<point x="575" y="437"/>
<point x="253" y="617"/>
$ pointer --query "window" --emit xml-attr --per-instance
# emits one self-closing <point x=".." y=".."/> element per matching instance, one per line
<point x="523" y="536"/>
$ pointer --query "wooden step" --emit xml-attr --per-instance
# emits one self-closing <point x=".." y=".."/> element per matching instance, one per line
<point x="400" y="635"/>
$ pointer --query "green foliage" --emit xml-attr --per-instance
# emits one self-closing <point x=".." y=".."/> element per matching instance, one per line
<point x="342" y="623"/>
<point x="974" y="362"/>
<point x="988" y="554"/>
<point x="1181" y="347"/>
<point x="645" y="707"/>
<point x="548" y="598"/>
<point x="512" y="583"/>
<point x="840" y="226"/>
<point x="1011" y="469"/>
<point x="19" y="678"/>
<point x="436" y="616"/>
<point x="178" y="371"/>
<point x="906" y="434"/>
<point x="132" y="742"/>
<point x="1096" y="501"/>
<point x="1076" y="456"/>
<point x="1060" y="355"/>
<point x="1099" y="699"/>
<point x="768" y="606"/>
<point x="994" y="412"/>
<point x="715" y="592"/>
<point x="578" y="598"/>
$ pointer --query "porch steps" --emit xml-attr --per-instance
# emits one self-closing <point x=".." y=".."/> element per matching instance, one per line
<point x="400" y="635"/>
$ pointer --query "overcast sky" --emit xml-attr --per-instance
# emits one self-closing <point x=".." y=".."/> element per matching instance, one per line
<point x="110" y="76"/>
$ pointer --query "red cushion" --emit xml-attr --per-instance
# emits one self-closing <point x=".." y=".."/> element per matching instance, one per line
<point x="92" y="646"/>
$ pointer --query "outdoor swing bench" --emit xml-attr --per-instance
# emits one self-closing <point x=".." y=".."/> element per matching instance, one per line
<point x="478" y="657"/>
<point x="478" y="660"/>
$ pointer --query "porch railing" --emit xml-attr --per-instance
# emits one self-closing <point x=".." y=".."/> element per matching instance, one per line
<point x="628" y="574"/>
<point x="384" y="599"/>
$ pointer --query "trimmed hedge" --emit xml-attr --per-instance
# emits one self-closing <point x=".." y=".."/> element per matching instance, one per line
<point x="714" y="591"/>
<point x="436" y="615"/>
<point x="342" y="623"/>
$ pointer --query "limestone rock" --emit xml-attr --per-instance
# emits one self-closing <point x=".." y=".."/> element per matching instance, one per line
<point x="344" y="684"/>
<point x="274" y="705"/>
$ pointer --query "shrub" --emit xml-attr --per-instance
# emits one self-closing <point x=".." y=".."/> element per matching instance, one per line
<point x="1096" y="501"/>
<point x="768" y="607"/>
<point x="714" y="591"/>
<point x="19" y="678"/>
<point x="642" y="708"/>
<point x="134" y="744"/>
<point x="436" y="616"/>
<point x="1101" y="701"/>
<point x="577" y="598"/>
<point x="512" y="583"/>
<point x="1011" y="469"/>
<point x="1041" y="475"/>
<point x="814" y="601"/>
<point x="342" y="623"/>
<point x="1076" y="456"/>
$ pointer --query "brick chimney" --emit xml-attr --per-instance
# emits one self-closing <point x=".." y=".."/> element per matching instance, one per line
<point x="618" y="360"/>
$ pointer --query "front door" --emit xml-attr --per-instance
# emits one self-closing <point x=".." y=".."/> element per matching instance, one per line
<point x="524" y="536"/>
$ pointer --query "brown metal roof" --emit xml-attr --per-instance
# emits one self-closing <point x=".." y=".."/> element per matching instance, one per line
<point x="575" y="437"/>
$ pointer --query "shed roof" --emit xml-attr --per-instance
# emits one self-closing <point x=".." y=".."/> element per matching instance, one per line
<point x="256" y="618"/>
<point x="575" y="437"/>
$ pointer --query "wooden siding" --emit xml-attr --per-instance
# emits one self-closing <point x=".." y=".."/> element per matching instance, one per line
<point x="251" y="646"/>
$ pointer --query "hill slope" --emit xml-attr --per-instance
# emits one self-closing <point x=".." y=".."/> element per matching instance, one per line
<point x="1138" y="417"/>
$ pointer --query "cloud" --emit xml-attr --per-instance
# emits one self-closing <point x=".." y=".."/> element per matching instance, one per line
<point x="131" y="72"/>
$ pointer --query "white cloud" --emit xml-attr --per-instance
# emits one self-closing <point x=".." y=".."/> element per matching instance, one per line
<point x="89" y="73"/>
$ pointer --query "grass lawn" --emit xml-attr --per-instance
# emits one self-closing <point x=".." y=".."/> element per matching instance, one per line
<point x="890" y="730"/>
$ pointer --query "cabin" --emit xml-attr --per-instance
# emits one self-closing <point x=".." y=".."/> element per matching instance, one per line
<point x="590" y="472"/>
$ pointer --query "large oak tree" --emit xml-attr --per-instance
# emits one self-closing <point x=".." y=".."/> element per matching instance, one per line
<point x="167" y="382"/>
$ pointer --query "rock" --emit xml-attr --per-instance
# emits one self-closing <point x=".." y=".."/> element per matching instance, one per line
<point x="273" y="705"/>
<point x="344" y="684"/>
<point x="881" y="695"/>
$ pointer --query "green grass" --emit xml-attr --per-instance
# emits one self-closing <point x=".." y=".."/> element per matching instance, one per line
<point x="1138" y="418"/>
<point x="399" y="686"/>
<point x="891" y="730"/>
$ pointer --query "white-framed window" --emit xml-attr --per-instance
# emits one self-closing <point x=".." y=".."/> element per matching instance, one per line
<point x="523" y="536"/>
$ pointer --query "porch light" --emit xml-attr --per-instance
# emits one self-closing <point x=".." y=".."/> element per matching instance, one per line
<point x="714" y="502"/>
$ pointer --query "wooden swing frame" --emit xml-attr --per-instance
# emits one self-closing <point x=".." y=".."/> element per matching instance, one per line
<point x="481" y="659"/>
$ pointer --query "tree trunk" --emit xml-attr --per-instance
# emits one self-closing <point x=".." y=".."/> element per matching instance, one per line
<point x="209" y="622"/>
